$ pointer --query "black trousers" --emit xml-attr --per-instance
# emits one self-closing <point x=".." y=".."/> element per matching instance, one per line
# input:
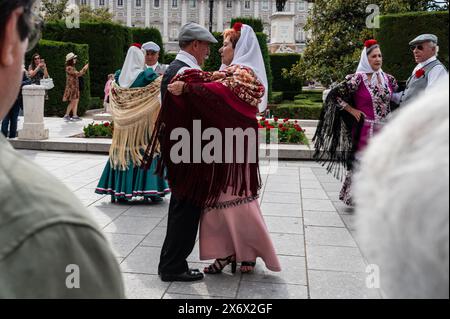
<point x="182" y="228"/>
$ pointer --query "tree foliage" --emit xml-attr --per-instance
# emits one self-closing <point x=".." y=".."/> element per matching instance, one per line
<point x="59" y="10"/>
<point x="339" y="29"/>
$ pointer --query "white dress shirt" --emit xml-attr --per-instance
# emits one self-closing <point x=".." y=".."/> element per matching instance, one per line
<point x="189" y="59"/>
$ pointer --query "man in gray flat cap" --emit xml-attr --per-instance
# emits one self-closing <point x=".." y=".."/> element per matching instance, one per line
<point x="151" y="52"/>
<point x="428" y="72"/>
<point x="184" y="217"/>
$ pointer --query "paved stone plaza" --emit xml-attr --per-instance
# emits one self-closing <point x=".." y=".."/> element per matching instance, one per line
<point x="312" y="232"/>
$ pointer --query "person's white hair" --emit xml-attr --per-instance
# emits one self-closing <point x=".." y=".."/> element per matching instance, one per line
<point x="402" y="199"/>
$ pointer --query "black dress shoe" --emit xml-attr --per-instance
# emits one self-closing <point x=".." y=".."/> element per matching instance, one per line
<point x="190" y="269"/>
<point x="189" y="275"/>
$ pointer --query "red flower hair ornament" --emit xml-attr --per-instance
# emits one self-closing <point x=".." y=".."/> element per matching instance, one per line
<point x="237" y="26"/>
<point x="137" y="45"/>
<point x="370" y="43"/>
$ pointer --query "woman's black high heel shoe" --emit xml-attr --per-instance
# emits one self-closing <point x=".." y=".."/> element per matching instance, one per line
<point x="220" y="264"/>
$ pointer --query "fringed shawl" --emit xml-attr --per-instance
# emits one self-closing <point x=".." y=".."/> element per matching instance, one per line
<point x="338" y="133"/>
<point x="217" y="107"/>
<point x="134" y="113"/>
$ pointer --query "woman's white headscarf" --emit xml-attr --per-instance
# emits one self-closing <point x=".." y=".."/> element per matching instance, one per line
<point x="248" y="53"/>
<point x="133" y="66"/>
<point x="364" y="67"/>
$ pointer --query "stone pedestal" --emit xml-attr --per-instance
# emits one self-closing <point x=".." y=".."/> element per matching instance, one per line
<point x="282" y="30"/>
<point x="33" y="110"/>
<point x="105" y="116"/>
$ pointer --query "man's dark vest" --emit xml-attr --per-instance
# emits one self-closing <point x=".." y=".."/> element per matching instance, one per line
<point x="415" y="85"/>
<point x="172" y="70"/>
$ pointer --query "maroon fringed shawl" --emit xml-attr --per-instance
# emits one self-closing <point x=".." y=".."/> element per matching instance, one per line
<point x="218" y="107"/>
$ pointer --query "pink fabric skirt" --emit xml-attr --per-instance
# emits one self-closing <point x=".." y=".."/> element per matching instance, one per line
<point x="238" y="230"/>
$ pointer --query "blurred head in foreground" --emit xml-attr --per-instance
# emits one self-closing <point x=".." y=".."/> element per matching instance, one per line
<point x="402" y="199"/>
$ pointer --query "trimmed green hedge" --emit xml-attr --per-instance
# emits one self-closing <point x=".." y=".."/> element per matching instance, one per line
<point x="277" y="97"/>
<point x="142" y="35"/>
<point x="256" y="24"/>
<point x="108" y="44"/>
<point x="214" y="62"/>
<point x="54" y="54"/>
<point x="169" y="57"/>
<point x="294" y="111"/>
<point x="397" y="30"/>
<point x="278" y="62"/>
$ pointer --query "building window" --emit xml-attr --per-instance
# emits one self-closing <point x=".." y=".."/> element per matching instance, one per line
<point x="265" y="5"/>
<point x="193" y="3"/>
<point x="174" y="3"/>
<point x="174" y="33"/>
<point x="83" y="2"/>
<point x="120" y="3"/>
<point x="229" y="4"/>
<point x="156" y="3"/>
<point x="247" y="5"/>
<point x="301" y="6"/>
<point x="138" y="3"/>
<point x="101" y="2"/>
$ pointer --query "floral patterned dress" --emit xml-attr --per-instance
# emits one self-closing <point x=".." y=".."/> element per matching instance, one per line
<point x="72" y="91"/>
<point x="373" y="99"/>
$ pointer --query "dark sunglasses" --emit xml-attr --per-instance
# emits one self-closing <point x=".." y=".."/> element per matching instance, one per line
<point x="418" y="47"/>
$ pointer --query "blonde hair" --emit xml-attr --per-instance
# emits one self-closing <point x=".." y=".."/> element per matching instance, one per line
<point x="233" y="35"/>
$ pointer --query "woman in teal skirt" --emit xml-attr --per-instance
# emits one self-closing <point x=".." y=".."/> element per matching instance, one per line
<point x="134" y="101"/>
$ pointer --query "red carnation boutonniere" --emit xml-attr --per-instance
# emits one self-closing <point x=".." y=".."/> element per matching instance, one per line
<point x="237" y="26"/>
<point x="137" y="45"/>
<point x="420" y="73"/>
<point x="370" y="43"/>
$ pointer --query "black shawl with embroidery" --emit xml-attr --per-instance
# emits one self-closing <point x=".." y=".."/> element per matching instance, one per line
<point x="336" y="140"/>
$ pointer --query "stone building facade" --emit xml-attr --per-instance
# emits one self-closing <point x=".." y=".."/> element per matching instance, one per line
<point x="169" y="15"/>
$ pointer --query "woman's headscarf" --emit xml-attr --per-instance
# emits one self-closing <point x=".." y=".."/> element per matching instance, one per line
<point x="364" y="65"/>
<point x="248" y="53"/>
<point x="133" y="66"/>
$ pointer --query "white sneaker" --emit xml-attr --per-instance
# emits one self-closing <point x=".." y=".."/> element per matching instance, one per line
<point x="66" y="118"/>
<point x="76" y="118"/>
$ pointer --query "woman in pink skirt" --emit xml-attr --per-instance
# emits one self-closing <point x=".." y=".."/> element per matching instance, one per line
<point x="232" y="229"/>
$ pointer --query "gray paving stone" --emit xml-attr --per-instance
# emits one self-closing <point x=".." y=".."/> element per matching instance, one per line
<point x="276" y="209"/>
<point x="342" y="208"/>
<point x="148" y="210"/>
<point x="327" y="179"/>
<point x="283" y="179"/>
<point x="284" y="171"/>
<point x="335" y="258"/>
<point x="123" y="244"/>
<point x="156" y="237"/>
<point x="308" y="177"/>
<point x="293" y="272"/>
<point x="288" y="244"/>
<point x="143" y="260"/>
<point x="104" y="217"/>
<point x="284" y="198"/>
<point x="333" y="196"/>
<point x="284" y="225"/>
<point x="133" y="225"/>
<point x="140" y="286"/>
<point x="310" y="184"/>
<point x="349" y="220"/>
<point x="316" y="218"/>
<point x="339" y="285"/>
<point x="222" y="285"/>
<point x="283" y="188"/>
<point x="318" y="205"/>
<point x="257" y="290"/>
<point x="332" y="187"/>
<point x="314" y="194"/>
<point x="163" y="222"/>
<point x="330" y="236"/>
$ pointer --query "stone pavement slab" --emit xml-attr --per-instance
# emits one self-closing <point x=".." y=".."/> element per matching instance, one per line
<point x="311" y="230"/>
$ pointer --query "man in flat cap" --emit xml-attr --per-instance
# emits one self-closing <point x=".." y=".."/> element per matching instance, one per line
<point x="184" y="217"/>
<point x="151" y="52"/>
<point x="428" y="72"/>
